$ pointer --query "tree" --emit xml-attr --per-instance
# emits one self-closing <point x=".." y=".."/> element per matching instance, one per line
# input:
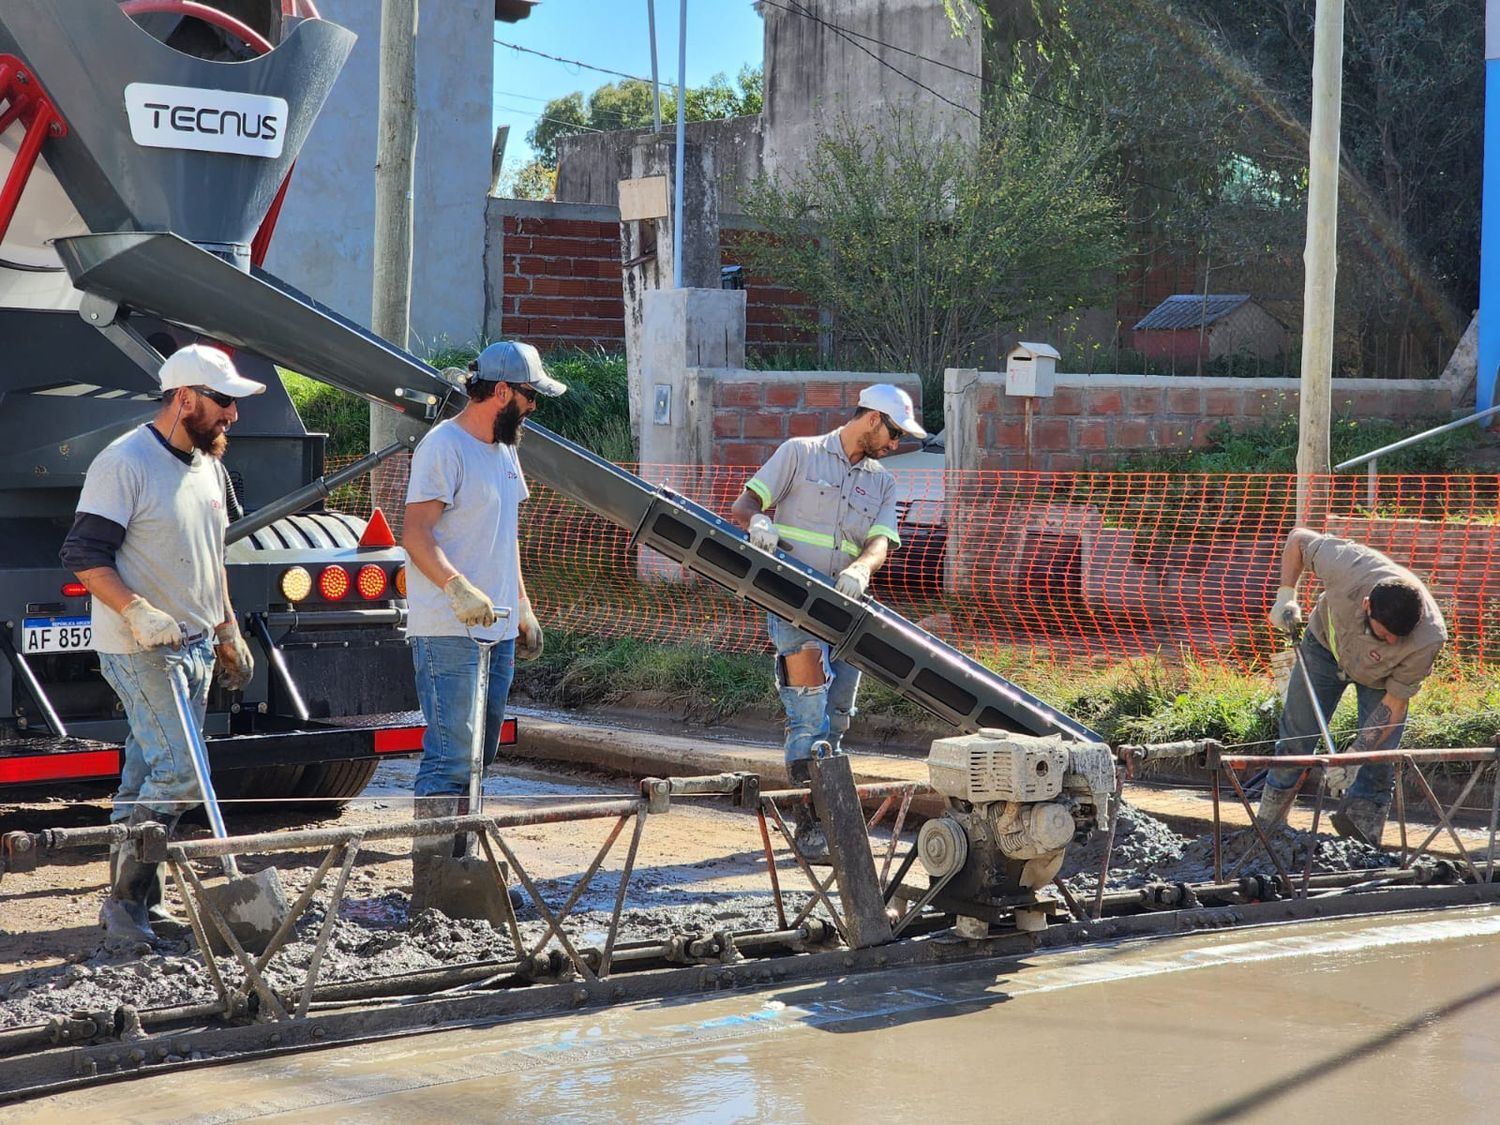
<point x="532" y="180"/>
<point x="627" y="105"/>
<point x="924" y="246"/>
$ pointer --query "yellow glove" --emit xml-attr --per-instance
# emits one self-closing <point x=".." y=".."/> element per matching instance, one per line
<point x="150" y="627"/>
<point x="232" y="655"/>
<point x="1286" y="614"/>
<point x="529" y="642"/>
<point x="470" y="605"/>
<point x="853" y="581"/>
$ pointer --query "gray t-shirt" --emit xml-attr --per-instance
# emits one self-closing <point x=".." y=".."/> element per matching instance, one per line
<point x="174" y="519"/>
<point x="481" y="487"/>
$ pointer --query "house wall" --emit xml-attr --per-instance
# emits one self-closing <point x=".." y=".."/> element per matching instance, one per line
<point x="1249" y="330"/>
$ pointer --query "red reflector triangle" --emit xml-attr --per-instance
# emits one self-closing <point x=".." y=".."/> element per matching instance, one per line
<point x="377" y="532"/>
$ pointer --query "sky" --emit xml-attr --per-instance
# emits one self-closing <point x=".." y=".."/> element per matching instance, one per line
<point x="723" y="35"/>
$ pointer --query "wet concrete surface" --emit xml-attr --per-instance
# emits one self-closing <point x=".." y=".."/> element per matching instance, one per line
<point x="701" y="870"/>
<point x="1359" y="1020"/>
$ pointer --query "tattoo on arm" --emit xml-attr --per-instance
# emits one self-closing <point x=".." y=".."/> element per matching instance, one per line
<point x="1377" y="728"/>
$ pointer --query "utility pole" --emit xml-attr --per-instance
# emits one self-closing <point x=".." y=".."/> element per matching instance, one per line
<point x="395" y="165"/>
<point x="1321" y="255"/>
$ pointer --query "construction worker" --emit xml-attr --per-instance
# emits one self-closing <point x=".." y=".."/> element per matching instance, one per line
<point x="1375" y="626"/>
<point x="461" y="538"/>
<point x="148" y="543"/>
<point x="835" y="510"/>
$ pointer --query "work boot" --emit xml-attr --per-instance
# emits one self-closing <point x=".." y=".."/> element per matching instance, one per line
<point x="425" y="849"/>
<point x="807" y="837"/>
<point x="1274" y="806"/>
<point x="156" y="906"/>
<point x="1360" y="819"/>
<point x="125" y="913"/>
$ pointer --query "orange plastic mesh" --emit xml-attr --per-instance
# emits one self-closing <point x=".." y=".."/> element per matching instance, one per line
<point x="1071" y="568"/>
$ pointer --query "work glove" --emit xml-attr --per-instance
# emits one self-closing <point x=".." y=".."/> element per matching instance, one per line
<point x="763" y="532"/>
<point x="470" y="605"/>
<point x="1339" y="778"/>
<point x="232" y="655"/>
<point x="1286" y="614"/>
<point x="529" y="641"/>
<point x="853" y="580"/>
<point x="150" y="627"/>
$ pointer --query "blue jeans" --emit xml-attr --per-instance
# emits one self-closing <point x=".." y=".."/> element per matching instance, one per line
<point x="158" y="769"/>
<point x="447" y="675"/>
<point x="812" y="713"/>
<point x="1298" y="732"/>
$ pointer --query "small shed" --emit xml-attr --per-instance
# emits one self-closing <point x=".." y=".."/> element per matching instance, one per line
<point x="1191" y="326"/>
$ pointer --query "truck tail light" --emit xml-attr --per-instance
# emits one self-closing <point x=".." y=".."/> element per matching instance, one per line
<point x="370" y="581"/>
<point x="401" y="581"/>
<point x="296" y="584"/>
<point x="333" y="583"/>
<point x="74" y="590"/>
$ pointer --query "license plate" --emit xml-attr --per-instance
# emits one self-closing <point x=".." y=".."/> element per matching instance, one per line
<point x="56" y="634"/>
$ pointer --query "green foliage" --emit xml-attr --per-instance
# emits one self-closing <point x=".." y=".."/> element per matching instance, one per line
<point x="1272" y="448"/>
<point x="345" y="418"/>
<point x="532" y="180"/>
<point x="923" y="244"/>
<point x="627" y="105"/>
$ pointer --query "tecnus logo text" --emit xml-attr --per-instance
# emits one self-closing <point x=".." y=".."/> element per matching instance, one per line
<point x="187" y="117"/>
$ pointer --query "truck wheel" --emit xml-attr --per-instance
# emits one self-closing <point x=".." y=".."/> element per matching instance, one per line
<point x="318" y="789"/>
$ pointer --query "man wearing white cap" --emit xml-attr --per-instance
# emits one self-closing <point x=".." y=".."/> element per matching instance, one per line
<point x="835" y="510"/>
<point x="460" y="534"/>
<point x="148" y="543"/>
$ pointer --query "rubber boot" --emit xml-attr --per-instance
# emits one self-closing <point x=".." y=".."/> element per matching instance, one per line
<point x="1360" y="819"/>
<point x="156" y="906"/>
<point x="807" y="836"/>
<point x="424" y="849"/>
<point x="125" y="913"/>
<point x="1274" y="806"/>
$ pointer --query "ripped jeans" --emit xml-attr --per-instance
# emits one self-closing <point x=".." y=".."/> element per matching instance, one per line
<point x="812" y="713"/>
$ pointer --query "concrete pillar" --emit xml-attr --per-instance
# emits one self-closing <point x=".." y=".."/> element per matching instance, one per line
<point x="646" y="243"/>
<point x="962" y="451"/>
<point x="683" y="332"/>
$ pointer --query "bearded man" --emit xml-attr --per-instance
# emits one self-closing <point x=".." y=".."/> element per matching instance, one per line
<point x="461" y="538"/>
<point x="148" y="543"/>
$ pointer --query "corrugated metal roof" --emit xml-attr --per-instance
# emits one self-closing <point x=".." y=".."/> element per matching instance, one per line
<point x="1191" y="310"/>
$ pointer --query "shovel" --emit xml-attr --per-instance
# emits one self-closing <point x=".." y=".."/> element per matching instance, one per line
<point x="253" y="905"/>
<point x="465" y="886"/>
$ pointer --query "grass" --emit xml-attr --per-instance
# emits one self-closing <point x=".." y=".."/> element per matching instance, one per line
<point x="594" y="413"/>
<point x="1132" y="701"/>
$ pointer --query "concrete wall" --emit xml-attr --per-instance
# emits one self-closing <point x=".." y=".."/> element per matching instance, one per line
<point x="324" y="241"/>
<point x="591" y="165"/>
<point x="1093" y="419"/>
<point x="815" y="75"/>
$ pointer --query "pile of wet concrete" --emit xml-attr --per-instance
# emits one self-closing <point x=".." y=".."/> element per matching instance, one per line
<point x="374" y="937"/>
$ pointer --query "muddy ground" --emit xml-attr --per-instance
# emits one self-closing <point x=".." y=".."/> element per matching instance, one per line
<point x="701" y="869"/>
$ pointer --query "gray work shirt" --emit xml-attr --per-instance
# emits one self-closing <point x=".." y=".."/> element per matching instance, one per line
<point x="826" y="507"/>
<point x="1349" y="571"/>
<point x="174" y="518"/>
<point x="481" y="487"/>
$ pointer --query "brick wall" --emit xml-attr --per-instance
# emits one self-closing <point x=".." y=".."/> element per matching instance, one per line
<point x="755" y="411"/>
<point x="1092" y="419"/>
<point x="554" y="274"/>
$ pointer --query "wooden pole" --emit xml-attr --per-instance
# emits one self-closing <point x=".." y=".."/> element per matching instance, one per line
<point x="1320" y="258"/>
<point x="395" y="166"/>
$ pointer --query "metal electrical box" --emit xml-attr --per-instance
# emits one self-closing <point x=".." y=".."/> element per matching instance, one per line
<point x="1030" y="370"/>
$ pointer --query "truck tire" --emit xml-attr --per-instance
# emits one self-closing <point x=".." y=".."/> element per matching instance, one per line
<point x="319" y="789"/>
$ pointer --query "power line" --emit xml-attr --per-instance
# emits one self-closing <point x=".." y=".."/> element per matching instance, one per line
<point x="570" y="62"/>
<point x="543" y="117"/>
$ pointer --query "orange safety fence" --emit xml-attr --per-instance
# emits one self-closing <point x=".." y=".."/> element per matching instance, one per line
<point x="1071" y="568"/>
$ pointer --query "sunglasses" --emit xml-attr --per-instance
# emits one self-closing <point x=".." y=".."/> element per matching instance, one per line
<point x="896" y="432"/>
<point x="218" y="398"/>
<point x="525" y="390"/>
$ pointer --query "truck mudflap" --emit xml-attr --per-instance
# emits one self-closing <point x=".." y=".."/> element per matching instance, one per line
<point x="40" y="760"/>
<point x="168" y="277"/>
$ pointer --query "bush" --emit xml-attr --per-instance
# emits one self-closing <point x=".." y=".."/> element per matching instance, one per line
<point x="345" y="418"/>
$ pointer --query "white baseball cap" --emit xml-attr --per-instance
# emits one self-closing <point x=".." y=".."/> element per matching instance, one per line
<point x="511" y="361"/>
<point x="199" y="365"/>
<point x="895" y="404"/>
